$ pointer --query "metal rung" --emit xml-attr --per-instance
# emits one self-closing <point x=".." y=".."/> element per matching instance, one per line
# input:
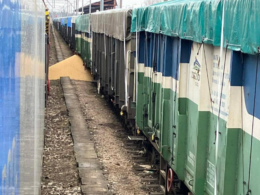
<point x="149" y="179"/>
<point x="152" y="185"/>
<point x="129" y="143"/>
<point x="140" y="160"/>
<point x="162" y="188"/>
<point x="163" y="174"/>
<point x="131" y="147"/>
<point x="156" y="193"/>
<point x="145" y="167"/>
<point x="134" y="151"/>
<point x="136" y="156"/>
<point x="137" y="138"/>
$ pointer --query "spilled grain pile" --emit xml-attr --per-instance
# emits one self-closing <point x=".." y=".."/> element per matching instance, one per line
<point x="72" y="67"/>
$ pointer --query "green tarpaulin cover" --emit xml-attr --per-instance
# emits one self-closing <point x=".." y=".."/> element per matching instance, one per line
<point x="201" y="20"/>
<point x="82" y="23"/>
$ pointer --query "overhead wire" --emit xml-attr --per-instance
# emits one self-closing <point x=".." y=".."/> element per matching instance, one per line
<point x="219" y="97"/>
<point x="211" y="101"/>
<point x="242" y="139"/>
<point x="252" y="131"/>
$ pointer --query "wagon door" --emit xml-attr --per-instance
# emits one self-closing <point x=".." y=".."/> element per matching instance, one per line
<point x="169" y="100"/>
<point x="156" y="85"/>
<point x="141" y="120"/>
<point x="197" y="110"/>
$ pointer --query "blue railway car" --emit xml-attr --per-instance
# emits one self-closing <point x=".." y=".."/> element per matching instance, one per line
<point x="22" y="88"/>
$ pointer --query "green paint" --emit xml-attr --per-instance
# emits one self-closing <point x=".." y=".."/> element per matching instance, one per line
<point x="86" y="52"/>
<point x="243" y="165"/>
<point x="166" y="131"/>
<point x="140" y="119"/>
<point x="146" y="94"/>
<point x="181" y="147"/>
<point x="78" y="45"/>
<point x="83" y="48"/>
<point x="231" y="164"/>
<point x="192" y="151"/>
<point x="201" y="152"/>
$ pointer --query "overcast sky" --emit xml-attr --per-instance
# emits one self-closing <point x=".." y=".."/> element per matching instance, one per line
<point x="125" y="2"/>
<point x="62" y="5"/>
<point x="131" y="2"/>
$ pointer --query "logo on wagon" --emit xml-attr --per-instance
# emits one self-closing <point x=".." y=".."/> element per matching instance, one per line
<point x="195" y="73"/>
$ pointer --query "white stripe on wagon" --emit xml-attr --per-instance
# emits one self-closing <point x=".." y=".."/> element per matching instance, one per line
<point x="140" y="67"/>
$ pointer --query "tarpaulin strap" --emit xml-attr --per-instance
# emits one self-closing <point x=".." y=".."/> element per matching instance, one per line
<point x="126" y="67"/>
<point x="252" y="131"/>
<point x="220" y="88"/>
<point x="104" y="34"/>
<point x="136" y="63"/>
<point x="103" y="24"/>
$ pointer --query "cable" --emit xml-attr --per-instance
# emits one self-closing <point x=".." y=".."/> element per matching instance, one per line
<point x="125" y="63"/>
<point x="136" y="63"/>
<point x="252" y="132"/>
<point x="154" y="68"/>
<point x="176" y="75"/>
<point x="145" y="62"/>
<point x="242" y="140"/>
<point x="222" y="84"/>
<point x="207" y="76"/>
<point x="217" y="132"/>
<point x="220" y="57"/>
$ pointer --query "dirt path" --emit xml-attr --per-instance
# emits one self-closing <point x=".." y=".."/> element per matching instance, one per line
<point x="53" y="55"/>
<point x="60" y="175"/>
<point x="66" y="52"/>
<point x="59" y="172"/>
<point x="117" y="165"/>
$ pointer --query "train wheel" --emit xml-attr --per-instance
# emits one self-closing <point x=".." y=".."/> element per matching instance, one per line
<point x="169" y="179"/>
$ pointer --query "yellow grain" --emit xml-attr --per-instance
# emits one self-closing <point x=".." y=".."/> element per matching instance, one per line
<point x="71" y="67"/>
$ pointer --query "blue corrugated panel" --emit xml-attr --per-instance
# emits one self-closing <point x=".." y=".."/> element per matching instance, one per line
<point x="69" y="22"/>
<point x="10" y="39"/>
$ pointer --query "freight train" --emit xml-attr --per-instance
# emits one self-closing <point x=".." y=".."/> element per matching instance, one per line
<point x="23" y="66"/>
<point x="185" y="74"/>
